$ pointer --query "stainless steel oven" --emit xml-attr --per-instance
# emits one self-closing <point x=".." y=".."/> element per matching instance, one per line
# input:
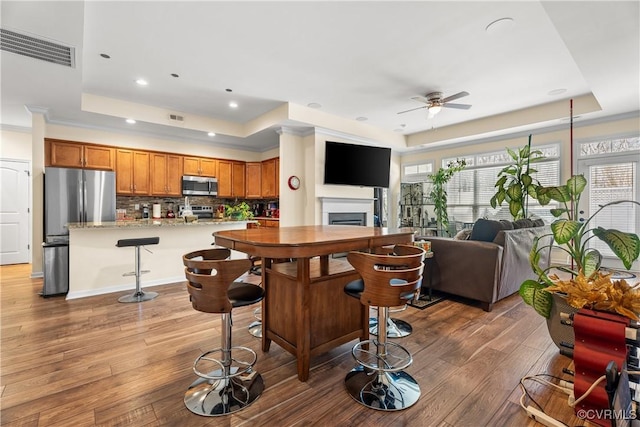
<point x="199" y="186"/>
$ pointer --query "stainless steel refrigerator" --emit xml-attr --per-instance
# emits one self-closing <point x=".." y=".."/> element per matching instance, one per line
<point x="71" y="196"/>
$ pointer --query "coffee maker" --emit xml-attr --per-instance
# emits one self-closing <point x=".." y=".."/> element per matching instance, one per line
<point x="145" y="211"/>
<point x="258" y="209"/>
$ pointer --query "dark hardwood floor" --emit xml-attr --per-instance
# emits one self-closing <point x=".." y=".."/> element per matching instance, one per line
<point x="94" y="361"/>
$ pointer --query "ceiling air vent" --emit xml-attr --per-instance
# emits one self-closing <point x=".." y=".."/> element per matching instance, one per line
<point x="176" y="117"/>
<point x="32" y="47"/>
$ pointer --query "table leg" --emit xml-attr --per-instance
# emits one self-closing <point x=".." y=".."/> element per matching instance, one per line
<point x="266" y="342"/>
<point x="303" y="316"/>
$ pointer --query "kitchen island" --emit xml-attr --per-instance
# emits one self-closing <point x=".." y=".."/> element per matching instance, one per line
<point x="96" y="265"/>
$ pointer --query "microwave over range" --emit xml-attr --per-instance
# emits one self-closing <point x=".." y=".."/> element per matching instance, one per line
<point x="199" y="186"/>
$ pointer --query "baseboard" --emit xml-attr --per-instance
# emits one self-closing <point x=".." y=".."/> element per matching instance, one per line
<point x="122" y="288"/>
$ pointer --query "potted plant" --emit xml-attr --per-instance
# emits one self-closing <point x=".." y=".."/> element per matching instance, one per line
<point x="438" y="192"/>
<point x="238" y="212"/>
<point x="515" y="182"/>
<point x="572" y="235"/>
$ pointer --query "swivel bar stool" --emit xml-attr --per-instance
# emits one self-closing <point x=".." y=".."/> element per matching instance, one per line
<point x="138" y="295"/>
<point x="227" y="383"/>
<point x="379" y="381"/>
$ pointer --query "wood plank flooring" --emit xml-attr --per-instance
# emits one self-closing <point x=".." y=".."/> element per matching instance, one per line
<point x="94" y="361"/>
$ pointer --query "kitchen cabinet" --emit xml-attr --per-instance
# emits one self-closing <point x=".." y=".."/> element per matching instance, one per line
<point x="166" y="174"/>
<point x="253" y="180"/>
<point x="78" y="155"/>
<point x="231" y="178"/>
<point x="264" y="222"/>
<point x="132" y="172"/>
<point x="270" y="178"/>
<point x="200" y="166"/>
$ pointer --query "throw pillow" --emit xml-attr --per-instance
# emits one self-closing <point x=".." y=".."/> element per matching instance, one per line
<point x="523" y="223"/>
<point x="506" y="225"/>
<point x="485" y="230"/>
<point x="463" y="234"/>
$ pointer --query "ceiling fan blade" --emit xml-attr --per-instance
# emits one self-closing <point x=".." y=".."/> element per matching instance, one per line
<point x="456" y="96"/>
<point x="458" y="106"/>
<point x="413" y="109"/>
<point x="421" y="99"/>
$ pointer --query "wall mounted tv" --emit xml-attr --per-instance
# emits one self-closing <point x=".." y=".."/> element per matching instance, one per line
<point x="351" y="164"/>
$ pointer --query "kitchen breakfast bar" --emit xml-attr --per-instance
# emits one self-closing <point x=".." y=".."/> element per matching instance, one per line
<point x="305" y="309"/>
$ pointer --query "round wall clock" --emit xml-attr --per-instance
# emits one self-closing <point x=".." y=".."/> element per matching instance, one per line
<point x="294" y="182"/>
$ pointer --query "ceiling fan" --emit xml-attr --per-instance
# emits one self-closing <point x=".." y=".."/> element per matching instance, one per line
<point x="434" y="102"/>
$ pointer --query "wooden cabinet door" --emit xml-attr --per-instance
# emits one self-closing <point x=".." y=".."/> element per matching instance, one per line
<point x="97" y="157"/>
<point x="191" y="166"/>
<point x="209" y="167"/>
<point x="238" y="177"/>
<point x="269" y="178"/>
<point x="225" y="178"/>
<point x="124" y="171"/>
<point x="253" y="180"/>
<point x="158" y="174"/>
<point x="141" y="172"/>
<point x="66" y="154"/>
<point x="174" y="175"/>
<point x="277" y="177"/>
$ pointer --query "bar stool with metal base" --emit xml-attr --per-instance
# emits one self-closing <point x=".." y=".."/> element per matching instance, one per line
<point x="138" y="295"/>
<point x="228" y="382"/>
<point x="379" y="381"/>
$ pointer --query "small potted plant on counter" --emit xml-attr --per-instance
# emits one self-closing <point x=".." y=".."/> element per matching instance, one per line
<point x="239" y="212"/>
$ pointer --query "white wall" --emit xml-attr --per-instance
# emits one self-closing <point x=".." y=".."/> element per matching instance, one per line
<point x="15" y="145"/>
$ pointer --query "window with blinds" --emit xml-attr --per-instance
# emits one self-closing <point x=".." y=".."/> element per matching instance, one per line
<point x="611" y="169"/>
<point x="469" y="191"/>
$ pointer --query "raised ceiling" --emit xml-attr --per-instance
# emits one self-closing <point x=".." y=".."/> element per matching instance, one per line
<point x="358" y="60"/>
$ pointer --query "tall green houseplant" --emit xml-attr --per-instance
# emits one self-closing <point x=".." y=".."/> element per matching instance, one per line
<point x="515" y="182"/>
<point x="571" y="235"/>
<point x="438" y="192"/>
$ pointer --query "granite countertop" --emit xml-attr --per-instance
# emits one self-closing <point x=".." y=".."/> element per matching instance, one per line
<point x="162" y="222"/>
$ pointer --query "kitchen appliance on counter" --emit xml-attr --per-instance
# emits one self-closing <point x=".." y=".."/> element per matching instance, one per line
<point x="71" y="196"/>
<point x="199" y="186"/>
<point x="201" y="212"/>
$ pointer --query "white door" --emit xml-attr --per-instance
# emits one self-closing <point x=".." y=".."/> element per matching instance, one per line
<point x="14" y="212"/>
<point x="611" y="178"/>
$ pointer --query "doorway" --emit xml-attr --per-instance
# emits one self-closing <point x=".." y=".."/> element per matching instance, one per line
<point x="15" y="214"/>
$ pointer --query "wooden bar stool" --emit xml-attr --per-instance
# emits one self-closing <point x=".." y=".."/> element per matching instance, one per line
<point x="227" y="382"/>
<point x="138" y="295"/>
<point x="379" y="381"/>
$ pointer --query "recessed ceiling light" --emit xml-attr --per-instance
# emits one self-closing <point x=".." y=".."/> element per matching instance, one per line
<point x="499" y="25"/>
<point x="361" y="119"/>
<point x="556" y="92"/>
<point x="233" y="104"/>
<point x="142" y="82"/>
<point x="175" y="75"/>
<point x="105" y="56"/>
<point x="314" y="105"/>
<point x="131" y="121"/>
<point x="211" y="134"/>
<point x="229" y="90"/>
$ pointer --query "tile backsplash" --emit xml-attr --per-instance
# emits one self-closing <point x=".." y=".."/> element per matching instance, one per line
<point x="129" y="203"/>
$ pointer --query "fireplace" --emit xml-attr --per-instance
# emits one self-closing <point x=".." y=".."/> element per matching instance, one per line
<point x="347" y="211"/>
<point x="347" y="218"/>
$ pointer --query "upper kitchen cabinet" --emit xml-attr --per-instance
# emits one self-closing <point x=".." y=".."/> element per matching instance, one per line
<point x="166" y="174"/>
<point x="70" y="154"/>
<point x="270" y="178"/>
<point x="200" y="166"/>
<point x="132" y="172"/>
<point x="231" y="178"/>
<point x="254" y="180"/>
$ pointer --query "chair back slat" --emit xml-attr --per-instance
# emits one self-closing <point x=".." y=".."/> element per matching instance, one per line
<point x="209" y="274"/>
<point x="389" y="280"/>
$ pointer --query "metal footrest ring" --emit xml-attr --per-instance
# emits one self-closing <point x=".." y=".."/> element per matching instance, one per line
<point x="386" y="391"/>
<point x="215" y="367"/>
<point x="394" y="358"/>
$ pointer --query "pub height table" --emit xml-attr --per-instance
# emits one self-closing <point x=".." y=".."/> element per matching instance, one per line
<point x="305" y="309"/>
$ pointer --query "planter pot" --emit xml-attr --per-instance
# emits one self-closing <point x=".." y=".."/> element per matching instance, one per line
<point x="559" y="332"/>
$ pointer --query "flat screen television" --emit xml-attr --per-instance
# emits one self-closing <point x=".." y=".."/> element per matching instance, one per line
<point x="352" y="164"/>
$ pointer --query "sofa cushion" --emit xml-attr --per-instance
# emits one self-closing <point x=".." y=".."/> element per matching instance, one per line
<point x="506" y="225"/>
<point x="485" y="230"/>
<point x="523" y="223"/>
<point x="463" y="234"/>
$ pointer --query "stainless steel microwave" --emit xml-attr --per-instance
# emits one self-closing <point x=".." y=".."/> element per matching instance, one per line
<point x="199" y="186"/>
